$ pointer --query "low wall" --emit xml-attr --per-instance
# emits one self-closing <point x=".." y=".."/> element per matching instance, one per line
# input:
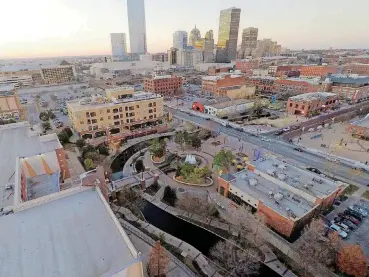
<point x="195" y="185"/>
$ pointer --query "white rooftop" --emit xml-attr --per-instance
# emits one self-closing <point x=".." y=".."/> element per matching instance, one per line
<point x="74" y="235"/>
<point x="312" y="96"/>
<point x="7" y="87"/>
<point x="17" y="140"/>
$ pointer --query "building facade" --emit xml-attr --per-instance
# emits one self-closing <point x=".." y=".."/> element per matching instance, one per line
<point x="247" y="66"/>
<point x="172" y="56"/>
<point x="17" y="81"/>
<point x="195" y="35"/>
<point x="189" y="57"/>
<point x="321" y="71"/>
<point x="351" y="88"/>
<point x="58" y="75"/>
<point x="310" y="103"/>
<point x="122" y="114"/>
<point x="237" y="92"/>
<point x="296" y="86"/>
<point x="356" y="68"/>
<point x="165" y="85"/>
<point x="180" y="39"/>
<point x="137" y="26"/>
<point x="160" y="57"/>
<point x="118" y="46"/>
<point x="249" y="41"/>
<point x="229" y="21"/>
<point x="212" y="84"/>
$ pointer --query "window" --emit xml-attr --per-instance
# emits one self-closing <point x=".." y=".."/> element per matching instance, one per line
<point x="127" y="120"/>
<point x="121" y="109"/>
<point x="116" y="123"/>
<point x="94" y="121"/>
<point x="121" y="115"/>
<point x="126" y="108"/>
<point x="101" y="119"/>
<point x="109" y="117"/>
<point x="108" y="110"/>
<point x="303" y="106"/>
<point x="93" y="114"/>
<point x="116" y="117"/>
<point x="115" y="110"/>
<point x="296" y="106"/>
<point x="290" y="104"/>
<point x="137" y="106"/>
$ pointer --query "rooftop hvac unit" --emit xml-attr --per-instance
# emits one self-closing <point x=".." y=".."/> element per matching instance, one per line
<point x="288" y="209"/>
<point x="253" y="182"/>
<point x="306" y="186"/>
<point x="295" y="180"/>
<point x="282" y="166"/>
<point x="278" y="196"/>
<point x="270" y="192"/>
<point x="281" y="176"/>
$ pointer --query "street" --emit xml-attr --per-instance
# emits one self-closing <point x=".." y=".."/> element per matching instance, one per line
<point x="284" y="149"/>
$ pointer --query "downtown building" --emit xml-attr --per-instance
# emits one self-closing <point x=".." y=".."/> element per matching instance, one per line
<point x="229" y="22"/>
<point x="285" y="196"/>
<point x="321" y="71"/>
<point x="122" y="114"/>
<point x="214" y="85"/>
<point x="311" y="103"/>
<point x="118" y="46"/>
<point x="356" y="68"/>
<point x="137" y="26"/>
<point x="58" y="75"/>
<point x="180" y="39"/>
<point x="249" y="42"/>
<point x="166" y="85"/>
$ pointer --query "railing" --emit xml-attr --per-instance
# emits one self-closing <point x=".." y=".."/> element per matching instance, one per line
<point x="151" y="241"/>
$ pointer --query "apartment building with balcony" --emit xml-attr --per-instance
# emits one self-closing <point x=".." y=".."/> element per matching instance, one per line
<point x="166" y="85"/>
<point x="286" y="196"/>
<point x="58" y="75"/>
<point x="308" y="103"/>
<point x="213" y="84"/>
<point x="311" y="71"/>
<point x="122" y="114"/>
<point x="10" y="107"/>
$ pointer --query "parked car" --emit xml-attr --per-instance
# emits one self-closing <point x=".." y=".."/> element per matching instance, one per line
<point x="337" y="229"/>
<point x="342" y="198"/>
<point x="360" y="211"/>
<point x="337" y="202"/>
<point x="350" y="218"/>
<point x="343" y="226"/>
<point x="348" y="223"/>
<point x="296" y="127"/>
<point x="357" y="215"/>
<point x="315" y="170"/>
<point x="266" y="139"/>
<point x="286" y="129"/>
<point x="278" y="132"/>
<point x="363" y="208"/>
<point x="298" y="149"/>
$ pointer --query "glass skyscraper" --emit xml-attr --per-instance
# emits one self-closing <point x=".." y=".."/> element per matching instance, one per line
<point x="180" y="39"/>
<point x="118" y="46"/>
<point x="229" y="22"/>
<point x="137" y="26"/>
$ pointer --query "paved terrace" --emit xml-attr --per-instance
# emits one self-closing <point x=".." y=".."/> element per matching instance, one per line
<point x="297" y="178"/>
<point x="288" y="205"/>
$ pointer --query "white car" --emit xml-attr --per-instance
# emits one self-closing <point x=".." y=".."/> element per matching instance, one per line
<point x="286" y="129"/>
<point x="266" y="139"/>
<point x="337" y="229"/>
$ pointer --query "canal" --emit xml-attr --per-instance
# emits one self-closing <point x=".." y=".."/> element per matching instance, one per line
<point x="198" y="237"/>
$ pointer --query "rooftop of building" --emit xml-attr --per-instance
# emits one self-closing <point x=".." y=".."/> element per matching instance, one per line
<point x="114" y="89"/>
<point x="7" y="89"/>
<point x="314" y="81"/>
<point x="362" y="122"/>
<point x="230" y="103"/>
<point x="56" y="66"/>
<point x="234" y="87"/>
<point x="280" y="200"/>
<point x="222" y="76"/>
<point x="98" y="101"/>
<point x="133" y="65"/>
<point x="321" y="96"/>
<point x="303" y="180"/>
<point x="349" y="79"/>
<point x="71" y="233"/>
<point x="42" y="185"/>
<point x="158" y="77"/>
<point x="17" y="141"/>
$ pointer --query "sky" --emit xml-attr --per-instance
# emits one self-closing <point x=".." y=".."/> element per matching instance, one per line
<point x="45" y="28"/>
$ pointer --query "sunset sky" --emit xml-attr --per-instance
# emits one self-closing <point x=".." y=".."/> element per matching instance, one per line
<point x="42" y="28"/>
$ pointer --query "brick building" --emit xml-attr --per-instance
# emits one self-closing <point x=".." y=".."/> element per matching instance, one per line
<point x="287" y="197"/>
<point x="165" y="85"/>
<point x="356" y="68"/>
<point x="360" y="128"/>
<point x="212" y="84"/>
<point x="308" y="103"/>
<point x="262" y="84"/>
<point x="287" y="71"/>
<point x="296" y="86"/>
<point x="218" y="69"/>
<point x="358" y="59"/>
<point x="247" y="66"/>
<point x="317" y="70"/>
<point x="351" y="88"/>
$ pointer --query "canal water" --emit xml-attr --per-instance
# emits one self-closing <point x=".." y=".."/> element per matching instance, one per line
<point x="198" y="237"/>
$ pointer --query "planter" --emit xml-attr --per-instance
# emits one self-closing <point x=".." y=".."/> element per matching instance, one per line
<point x="195" y="185"/>
<point x="159" y="161"/>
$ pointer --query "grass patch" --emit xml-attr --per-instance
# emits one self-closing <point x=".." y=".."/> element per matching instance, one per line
<point x="350" y="190"/>
<point x="366" y="194"/>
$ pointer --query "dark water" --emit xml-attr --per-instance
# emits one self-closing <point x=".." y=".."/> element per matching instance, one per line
<point x="193" y="235"/>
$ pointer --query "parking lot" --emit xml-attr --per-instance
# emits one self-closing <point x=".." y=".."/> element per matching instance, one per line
<point x="359" y="234"/>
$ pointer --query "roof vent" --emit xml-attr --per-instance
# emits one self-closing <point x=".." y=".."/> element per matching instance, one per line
<point x="281" y="176"/>
<point x="278" y="196"/>
<point x="288" y="209"/>
<point x="271" y="171"/>
<point x="253" y="182"/>
<point x="282" y="166"/>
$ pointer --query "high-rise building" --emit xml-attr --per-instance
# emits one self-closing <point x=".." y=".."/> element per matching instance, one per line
<point x="118" y="46"/>
<point x="249" y="40"/>
<point x="229" y="22"/>
<point x="195" y="35"/>
<point x="209" y="35"/>
<point x="172" y="56"/>
<point x="180" y="39"/>
<point x="137" y="26"/>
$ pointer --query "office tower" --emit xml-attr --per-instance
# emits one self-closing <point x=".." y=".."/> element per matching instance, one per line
<point x="209" y="35"/>
<point x="229" y="22"/>
<point x="172" y="56"/>
<point x="180" y="39"/>
<point x="194" y="36"/>
<point x="137" y="26"/>
<point x="249" y="40"/>
<point x="118" y="46"/>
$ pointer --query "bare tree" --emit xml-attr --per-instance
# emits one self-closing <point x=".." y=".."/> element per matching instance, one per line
<point x="237" y="262"/>
<point x="197" y="205"/>
<point x="159" y="261"/>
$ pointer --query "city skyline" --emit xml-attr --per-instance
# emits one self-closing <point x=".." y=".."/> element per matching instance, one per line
<point x="83" y="28"/>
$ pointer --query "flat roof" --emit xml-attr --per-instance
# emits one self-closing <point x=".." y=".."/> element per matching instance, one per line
<point x="314" y="81"/>
<point x="17" y="140"/>
<point x="312" y="96"/>
<point x="362" y="122"/>
<point x="221" y="76"/>
<point x="296" y="177"/>
<point x="349" y="79"/>
<point x="7" y="87"/>
<point x="42" y="185"/>
<point x="74" y="235"/>
<point x="290" y="205"/>
<point x="137" y="96"/>
<point x="231" y="103"/>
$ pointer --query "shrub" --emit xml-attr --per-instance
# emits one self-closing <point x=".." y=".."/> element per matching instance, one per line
<point x="87" y="148"/>
<point x="68" y="131"/>
<point x="93" y="155"/>
<point x="170" y="196"/>
<point x="103" y="150"/>
<point x="46" y="125"/>
<point x="63" y="137"/>
<point x="80" y="143"/>
<point x="89" y="164"/>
